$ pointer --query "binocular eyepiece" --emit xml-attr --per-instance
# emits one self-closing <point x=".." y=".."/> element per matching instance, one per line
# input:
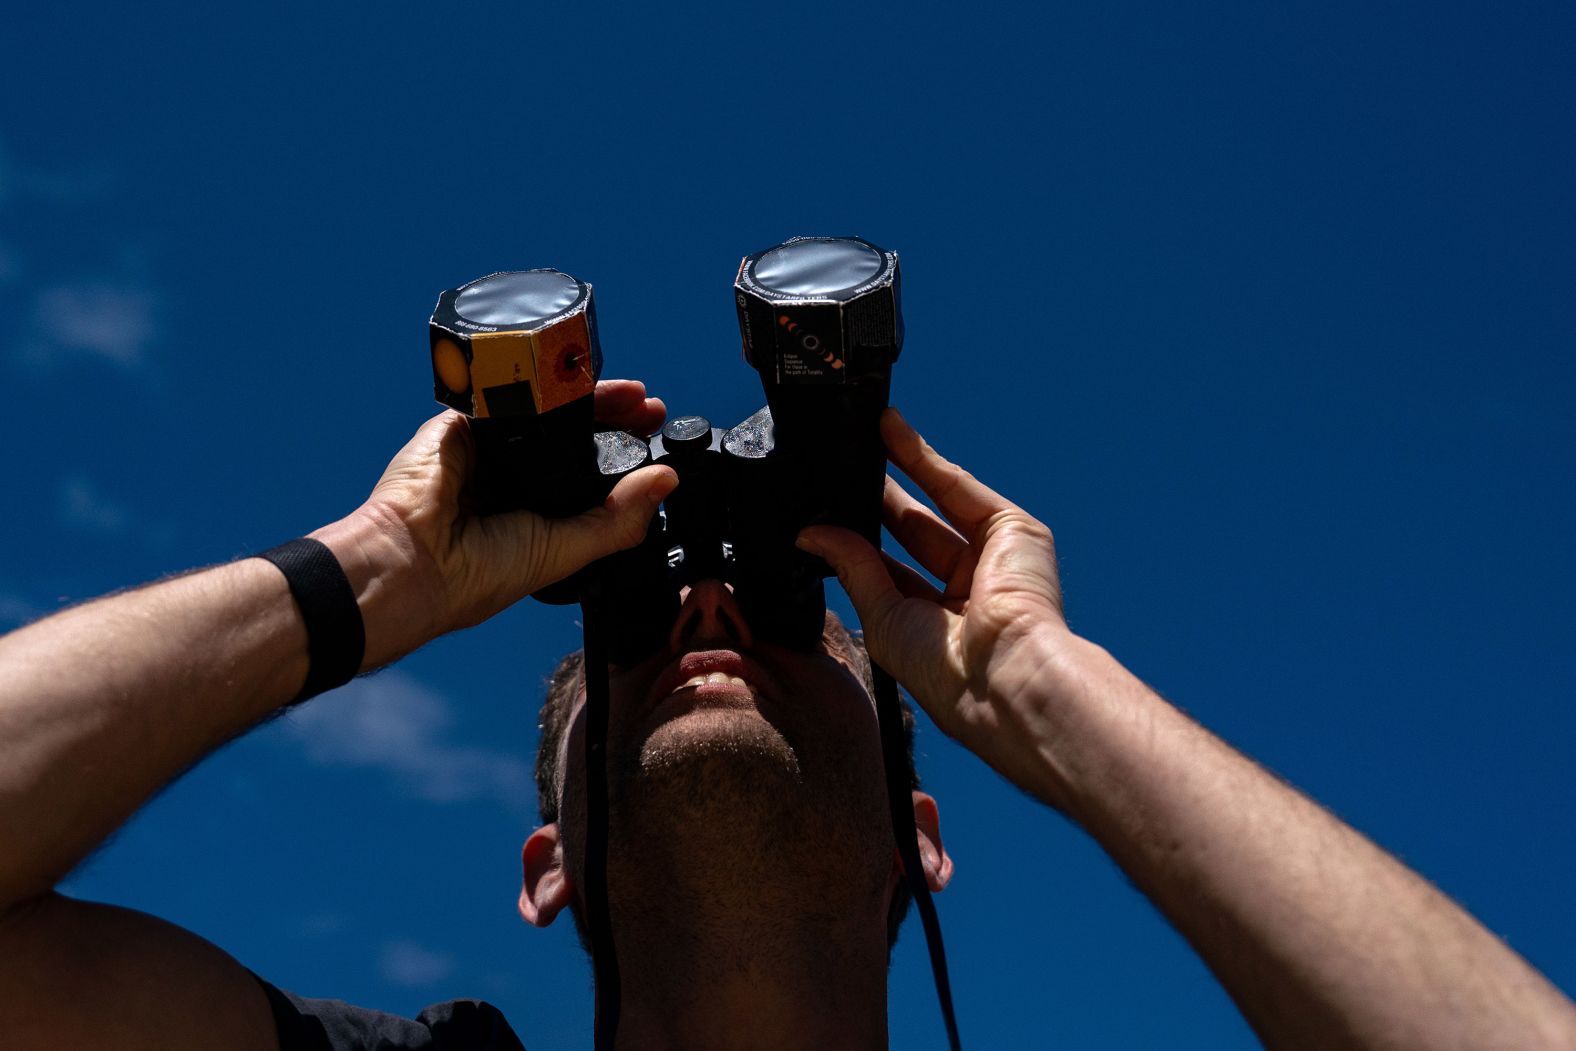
<point x="821" y="323"/>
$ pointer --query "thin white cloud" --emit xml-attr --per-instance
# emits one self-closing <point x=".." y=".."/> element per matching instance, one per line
<point x="392" y="723"/>
<point x="111" y="315"/>
<point x="406" y="963"/>
<point x="85" y="508"/>
<point x="116" y="322"/>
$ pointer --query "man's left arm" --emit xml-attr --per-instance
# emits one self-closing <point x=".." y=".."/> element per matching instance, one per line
<point x="1321" y="938"/>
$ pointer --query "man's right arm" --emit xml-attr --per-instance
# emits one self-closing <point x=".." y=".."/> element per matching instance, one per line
<point x="102" y="705"/>
<point x="1321" y="938"/>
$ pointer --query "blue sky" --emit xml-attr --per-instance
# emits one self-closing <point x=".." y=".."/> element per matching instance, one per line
<point x="1268" y="311"/>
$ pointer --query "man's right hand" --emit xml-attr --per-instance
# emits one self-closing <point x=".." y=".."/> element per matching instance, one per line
<point x="422" y="565"/>
<point x="979" y="653"/>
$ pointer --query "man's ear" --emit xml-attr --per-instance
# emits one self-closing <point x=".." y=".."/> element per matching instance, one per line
<point x="927" y="823"/>
<point x="545" y="889"/>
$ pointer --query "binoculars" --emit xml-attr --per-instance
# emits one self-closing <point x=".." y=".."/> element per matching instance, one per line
<point x="822" y="326"/>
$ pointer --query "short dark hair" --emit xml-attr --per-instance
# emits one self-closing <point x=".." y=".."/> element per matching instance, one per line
<point x="564" y="684"/>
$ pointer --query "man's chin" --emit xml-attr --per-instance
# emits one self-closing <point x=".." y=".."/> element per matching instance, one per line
<point x="720" y="763"/>
<point x="718" y="738"/>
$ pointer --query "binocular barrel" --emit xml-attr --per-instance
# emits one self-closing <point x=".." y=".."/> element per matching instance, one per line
<point x="821" y="323"/>
<point x="518" y="353"/>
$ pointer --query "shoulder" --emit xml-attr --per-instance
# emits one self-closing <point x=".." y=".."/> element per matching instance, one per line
<point x="307" y="1024"/>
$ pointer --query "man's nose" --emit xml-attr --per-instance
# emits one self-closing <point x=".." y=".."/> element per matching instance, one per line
<point x="709" y="615"/>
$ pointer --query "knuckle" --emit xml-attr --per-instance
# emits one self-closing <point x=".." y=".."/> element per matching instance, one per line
<point x="1016" y="610"/>
<point x="875" y="633"/>
<point x="1015" y="522"/>
<point x="909" y="450"/>
<point x="949" y="476"/>
<point x="630" y="529"/>
<point x="546" y="542"/>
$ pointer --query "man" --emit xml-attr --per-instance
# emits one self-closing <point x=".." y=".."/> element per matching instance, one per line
<point x="743" y="779"/>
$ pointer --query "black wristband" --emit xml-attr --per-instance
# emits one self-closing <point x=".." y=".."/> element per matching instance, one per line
<point x="335" y="636"/>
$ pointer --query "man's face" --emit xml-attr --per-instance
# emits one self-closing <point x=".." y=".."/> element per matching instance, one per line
<point x="729" y="758"/>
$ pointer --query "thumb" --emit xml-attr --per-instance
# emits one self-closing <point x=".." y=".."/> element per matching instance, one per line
<point x="620" y="522"/>
<point x="864" y="575"/>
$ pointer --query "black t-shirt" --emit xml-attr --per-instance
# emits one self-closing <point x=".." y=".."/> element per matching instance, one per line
<point x="333" y="1025"/>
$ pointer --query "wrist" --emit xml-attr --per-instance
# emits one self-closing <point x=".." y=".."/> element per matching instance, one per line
<point x="1047" y="687"/>
<point x="1035" y="667"/>
<point x="1094" y="717"/>
<point x="392" y="589"/>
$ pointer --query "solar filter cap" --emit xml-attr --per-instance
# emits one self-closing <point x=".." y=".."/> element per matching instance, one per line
<point x="820" y="310"/>
<point x="517" y="343"/>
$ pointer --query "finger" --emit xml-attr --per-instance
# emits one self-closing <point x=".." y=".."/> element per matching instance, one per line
<point x="933" y="543"/>
<point x="440" y="451"/>
<point x="1019" y="556"/>
<point x="859" y="568"/>
<point x="909" y="581"/>
<point x="963" y="500"/>
<point x="641" y="420"/>
<point x="614" y="398"/>
<point x="619" y="523"/>
<point x="623" y="404"/>
<point x="906" y="637"/>
<point x="445" y="431"/>
<point x="648" y="420"/>
<point x="616" y="395"/>
<point x="864" y="576"/>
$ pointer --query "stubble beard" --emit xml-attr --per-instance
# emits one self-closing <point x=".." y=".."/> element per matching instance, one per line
<point x="732" y="851"/>
<point x="719" y="786"/>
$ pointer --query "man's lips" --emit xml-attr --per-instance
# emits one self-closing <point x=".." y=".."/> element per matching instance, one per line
<point x="723" y="673"/>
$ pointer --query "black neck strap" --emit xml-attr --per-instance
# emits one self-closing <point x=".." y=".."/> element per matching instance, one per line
<point x="599" y="925"/>
<point x="900" y="799"/>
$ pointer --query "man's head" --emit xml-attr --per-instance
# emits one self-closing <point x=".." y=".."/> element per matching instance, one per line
<point x="746" y="787"/>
